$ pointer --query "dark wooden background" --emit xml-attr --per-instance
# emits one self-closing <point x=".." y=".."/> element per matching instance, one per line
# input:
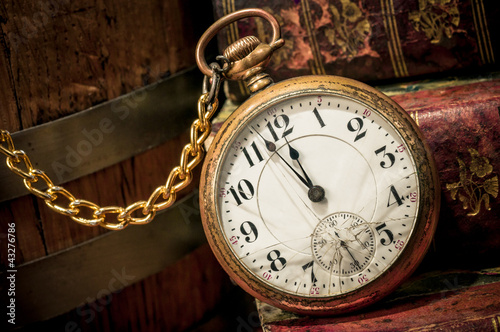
<point x="59" y="57"/>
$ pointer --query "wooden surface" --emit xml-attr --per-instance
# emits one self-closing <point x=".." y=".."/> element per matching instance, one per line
<point x="64" y="58"/>
<point x="180" y="297"/>
<point x="59" y="57"/>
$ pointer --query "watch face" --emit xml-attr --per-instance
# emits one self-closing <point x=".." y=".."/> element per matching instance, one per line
<point x="316" y="195"/>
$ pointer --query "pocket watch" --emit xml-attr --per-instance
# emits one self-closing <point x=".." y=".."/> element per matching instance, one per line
<point x="318" y="194"/>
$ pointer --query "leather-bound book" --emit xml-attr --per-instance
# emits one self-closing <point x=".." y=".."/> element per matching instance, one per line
<point x="373" y="39"/>
<point x="452" y="301"/>
<point x="462" y="126"/>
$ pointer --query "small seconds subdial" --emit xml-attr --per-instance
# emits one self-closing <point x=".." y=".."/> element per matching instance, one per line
<point x="343" y="244"/>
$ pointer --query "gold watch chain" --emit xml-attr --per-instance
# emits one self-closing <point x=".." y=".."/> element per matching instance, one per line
<point x="62" y="201"/>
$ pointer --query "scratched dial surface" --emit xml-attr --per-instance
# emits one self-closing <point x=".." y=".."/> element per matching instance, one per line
<point x="317" y="195"/>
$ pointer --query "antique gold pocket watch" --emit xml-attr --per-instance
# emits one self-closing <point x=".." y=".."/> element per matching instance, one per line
<point x="318" y="194"/>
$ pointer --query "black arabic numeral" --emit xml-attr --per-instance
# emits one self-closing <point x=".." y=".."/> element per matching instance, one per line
<point x="248" y="228"/>
<point x="387" y="232"/>
<point x="389" y="155"/>
<point x="318" y="117"/>
<point x="356" y="125"/>
<point x="394" y="194"/>
<point x="256" y="152"/>
<point x="245" y="191"/>
<point x="274" y="265"/>
<point x="310" y="265"/>
<point x="277" y="124"/>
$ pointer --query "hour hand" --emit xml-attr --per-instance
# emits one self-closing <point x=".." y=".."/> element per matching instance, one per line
<point x="294" y="155"/>
<point x="316" y="193"/>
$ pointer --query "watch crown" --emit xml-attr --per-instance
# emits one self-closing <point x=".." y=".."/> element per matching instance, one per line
<point x="241" y="48"/>
<point x="248" y="58"/>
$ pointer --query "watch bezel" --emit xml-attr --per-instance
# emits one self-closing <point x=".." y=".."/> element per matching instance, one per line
<point x="429" y="197"/>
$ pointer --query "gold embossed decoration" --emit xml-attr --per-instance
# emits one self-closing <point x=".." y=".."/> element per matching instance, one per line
<point x="436" y="18"/>
<point x="351" y="29"/>
<point x="476" y="185"/>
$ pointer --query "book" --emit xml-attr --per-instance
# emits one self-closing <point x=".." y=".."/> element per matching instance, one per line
<point x="435" y="301"/>
<point x="461" y="124"/>
<point x="370" y="40"/>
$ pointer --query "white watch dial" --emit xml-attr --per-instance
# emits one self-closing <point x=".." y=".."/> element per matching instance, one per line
<point x="317" y="195"/>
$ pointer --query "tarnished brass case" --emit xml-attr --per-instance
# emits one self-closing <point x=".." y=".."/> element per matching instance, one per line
<point x="427" y="214"/>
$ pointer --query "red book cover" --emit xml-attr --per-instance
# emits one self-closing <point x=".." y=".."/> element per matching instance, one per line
<point x="439" y="302"/>
<point x="462" y="126"/>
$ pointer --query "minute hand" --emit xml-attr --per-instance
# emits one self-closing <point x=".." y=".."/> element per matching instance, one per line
<point x="271" y="147"/>
<point x="315" y="193"/>
<point x="304" y="181"/>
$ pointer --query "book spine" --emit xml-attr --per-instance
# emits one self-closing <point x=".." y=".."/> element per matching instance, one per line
<point x="371" y="40"/>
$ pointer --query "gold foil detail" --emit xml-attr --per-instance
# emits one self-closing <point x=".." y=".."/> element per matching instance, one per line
<point x="350" y="28"/>
<point x="476" y="183"/>
<point x="394" y="43"/>
<point x="436" y="18"/>
<point x="317" y="64"/>
<point x="414" y="116"/>
<point x="233" y="35"/>
<point x="482" y="32"/>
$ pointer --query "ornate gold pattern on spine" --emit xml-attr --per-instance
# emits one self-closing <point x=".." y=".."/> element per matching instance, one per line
<point x="394" y="44"/>
<point x="351" y="30"/>
<point x="316" y="65"/>
<point x="483" y="35"/>
<point x="436" y="19"/>
<point x="476" y="185"/>
<point x="232" y="36"/>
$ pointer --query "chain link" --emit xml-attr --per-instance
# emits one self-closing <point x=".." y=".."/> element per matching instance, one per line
<point x="90" y="214"/>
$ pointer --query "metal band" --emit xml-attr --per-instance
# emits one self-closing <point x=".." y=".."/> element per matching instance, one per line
<point x="103" y="135"/>
<point x="101" y="267"/>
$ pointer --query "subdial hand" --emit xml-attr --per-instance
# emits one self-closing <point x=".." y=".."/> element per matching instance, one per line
<point x="346" y="247"/>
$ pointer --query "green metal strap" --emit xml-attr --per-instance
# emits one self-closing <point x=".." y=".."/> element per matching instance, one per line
<point x="90" y="140"/>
